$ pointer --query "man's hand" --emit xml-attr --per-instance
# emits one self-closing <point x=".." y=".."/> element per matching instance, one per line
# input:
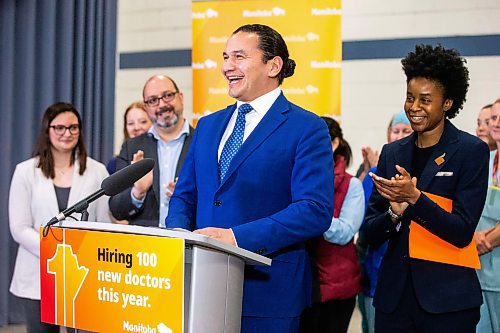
<point x="141" y="186"/>
<point x="171" y="188"/>
<point x="223" y="235"/>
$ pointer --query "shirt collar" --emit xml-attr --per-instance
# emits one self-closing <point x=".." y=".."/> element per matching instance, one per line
<point x="263" y="103"/>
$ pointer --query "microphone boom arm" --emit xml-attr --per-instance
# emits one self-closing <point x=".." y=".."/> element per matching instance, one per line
<point x="110" y="186"/>
<point x="80" y="207"/>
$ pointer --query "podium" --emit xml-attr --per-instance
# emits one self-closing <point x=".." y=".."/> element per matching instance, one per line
<point x="108" y="272"/>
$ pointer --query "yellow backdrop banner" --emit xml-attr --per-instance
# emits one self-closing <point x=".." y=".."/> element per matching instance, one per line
<point x="112" y="282"/>
<point x="311" y="29"/>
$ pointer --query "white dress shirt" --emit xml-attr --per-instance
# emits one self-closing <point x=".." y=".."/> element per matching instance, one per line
<point x="260" y="107"/>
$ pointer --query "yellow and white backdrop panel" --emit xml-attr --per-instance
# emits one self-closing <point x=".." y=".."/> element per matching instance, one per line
<point x="311" y="29"/>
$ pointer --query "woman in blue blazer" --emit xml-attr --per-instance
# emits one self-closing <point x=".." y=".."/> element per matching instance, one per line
<point x="417" y="295"/>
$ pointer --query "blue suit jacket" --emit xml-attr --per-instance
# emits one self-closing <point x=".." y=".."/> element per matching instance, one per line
<point x="277" y="193"/>
<point x="439" y="287"/>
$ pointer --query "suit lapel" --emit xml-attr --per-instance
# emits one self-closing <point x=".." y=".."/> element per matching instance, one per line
<point x="75" y="193"/>
<point x="271" y="121"/>
<point x="48" y="187"/>
<point x="214" y="144"/>
<point x="446" y="148"/>
<point x="150" y="149"/>
<point x="403" y="154"/>
<point x="184" y="151"/>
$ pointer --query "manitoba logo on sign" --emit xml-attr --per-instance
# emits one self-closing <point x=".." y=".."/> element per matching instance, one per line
<point x="207" y="64"/>
<point x="275" y="11"/>
<point x="325" y="11"/>
<point x="209" y="13"/>
<point x="69" y="277"/>
<point x="309" y="37"/>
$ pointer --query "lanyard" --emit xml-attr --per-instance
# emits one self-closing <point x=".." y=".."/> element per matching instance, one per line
<point x="495" y="169"/>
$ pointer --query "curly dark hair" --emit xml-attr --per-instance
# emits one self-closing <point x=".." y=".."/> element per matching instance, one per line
<point x="444" y="66"/>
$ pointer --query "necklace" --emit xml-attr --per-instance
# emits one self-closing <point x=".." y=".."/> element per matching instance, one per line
<point x="62" y="172"/>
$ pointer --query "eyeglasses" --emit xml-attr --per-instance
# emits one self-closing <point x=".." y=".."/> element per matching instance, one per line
<point x="166" y="96"/>
<point x="61" y="129"/>
<point x="486" y="122"/>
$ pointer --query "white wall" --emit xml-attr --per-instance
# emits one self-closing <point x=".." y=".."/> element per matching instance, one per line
<point x="151" y="25"/>
<point x="372" y="90"/>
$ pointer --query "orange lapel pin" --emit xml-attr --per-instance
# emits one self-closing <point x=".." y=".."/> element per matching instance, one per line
<point x="440" y="159"/>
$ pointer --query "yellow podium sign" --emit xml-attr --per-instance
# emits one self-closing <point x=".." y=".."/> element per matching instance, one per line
<point x="112" y="282"/>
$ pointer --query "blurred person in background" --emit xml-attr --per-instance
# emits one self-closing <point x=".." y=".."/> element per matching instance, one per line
<point x="333" y="255"/>
<point x="370" y="155"/>
<point x="482" y="128"/>
<point x="135" y="122"/>
<point x="487" y="236"/>
<point x="398" y="128"/>
<point x="167" y="143"/>
<point x="59" y="175"/>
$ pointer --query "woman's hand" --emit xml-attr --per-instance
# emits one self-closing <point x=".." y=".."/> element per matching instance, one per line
<point x="401" y="190"/>
<point x="482" y="243"/>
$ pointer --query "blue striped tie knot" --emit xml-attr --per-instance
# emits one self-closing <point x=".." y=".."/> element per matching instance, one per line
<point x="234" y="141"/>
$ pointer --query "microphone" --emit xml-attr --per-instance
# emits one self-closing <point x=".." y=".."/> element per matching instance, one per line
<point x="126" y="177"/>
<point x="110" y="186"/>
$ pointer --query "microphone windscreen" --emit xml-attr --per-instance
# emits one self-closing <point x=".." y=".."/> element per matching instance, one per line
<point x="126" y="177"/>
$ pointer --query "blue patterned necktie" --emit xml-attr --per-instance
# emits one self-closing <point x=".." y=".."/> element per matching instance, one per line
<point x="234" y="141"/>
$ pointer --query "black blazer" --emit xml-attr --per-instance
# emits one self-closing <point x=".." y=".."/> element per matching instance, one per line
<point x="121" y="205"/>
<point x="439" y="287"/>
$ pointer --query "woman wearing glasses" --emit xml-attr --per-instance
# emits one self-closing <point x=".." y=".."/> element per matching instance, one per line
<point x="59" y="175"/>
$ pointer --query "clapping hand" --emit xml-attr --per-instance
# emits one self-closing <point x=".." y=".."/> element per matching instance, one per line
<point x="171" y="187"/>
<point x="141" y="186"/>
<point x="401" y="190"/>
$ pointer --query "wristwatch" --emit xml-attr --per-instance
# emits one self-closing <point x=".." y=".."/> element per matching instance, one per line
<point x="393" y="215"/>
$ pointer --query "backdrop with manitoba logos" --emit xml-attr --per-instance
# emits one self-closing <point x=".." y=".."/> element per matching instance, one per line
<point x="311" y="29"/>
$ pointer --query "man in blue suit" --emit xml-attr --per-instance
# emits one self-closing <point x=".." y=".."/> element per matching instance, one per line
<point x="259" y="175"/>
<point x="428" y="294"/>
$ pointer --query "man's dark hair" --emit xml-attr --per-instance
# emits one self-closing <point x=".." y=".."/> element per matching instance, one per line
<point x="272" y="44"/>
<point x="444" y="66"/>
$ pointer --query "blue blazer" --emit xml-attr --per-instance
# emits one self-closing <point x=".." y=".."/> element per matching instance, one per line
<point x="277" y="193"/>
<point x="439" y="287"/>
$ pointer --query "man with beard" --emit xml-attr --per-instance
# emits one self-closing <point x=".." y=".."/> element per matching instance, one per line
<point x="167" y="142"/>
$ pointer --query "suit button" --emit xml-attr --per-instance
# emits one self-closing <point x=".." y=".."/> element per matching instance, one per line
<point x="217" y="203"/>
